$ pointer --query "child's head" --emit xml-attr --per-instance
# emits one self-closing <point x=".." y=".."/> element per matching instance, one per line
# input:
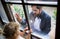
<point x="11" y="30"/>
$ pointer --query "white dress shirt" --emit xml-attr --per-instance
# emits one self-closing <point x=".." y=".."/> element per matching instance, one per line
<point x="37" y="23"/>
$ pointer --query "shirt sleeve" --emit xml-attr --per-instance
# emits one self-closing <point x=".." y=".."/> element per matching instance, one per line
<point x="23" y="22"/>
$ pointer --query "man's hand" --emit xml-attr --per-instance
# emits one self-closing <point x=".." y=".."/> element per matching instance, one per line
<point x="28" y="35"/>
<point x="24" y="32"/>
<point x="19" y="19"/>
<point x="28" y="31"/>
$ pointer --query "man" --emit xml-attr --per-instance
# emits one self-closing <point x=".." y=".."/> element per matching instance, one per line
<point x="39" y="20"/>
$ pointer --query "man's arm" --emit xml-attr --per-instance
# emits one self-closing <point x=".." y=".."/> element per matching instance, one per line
<point x="47" y="25"/>
<point x="20" y="20"/>
<point x="23" y="22"/>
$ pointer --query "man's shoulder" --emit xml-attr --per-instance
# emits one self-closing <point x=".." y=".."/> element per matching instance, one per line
<point x="31" y="13"/>
<point x="45" y="15"/>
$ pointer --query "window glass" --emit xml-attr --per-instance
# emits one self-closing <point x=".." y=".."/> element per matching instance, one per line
<point x="42" y="20"/>
<point x="49" y="2"/>
<point x="2" y="14"/>
<point x="18" y="13"/>
<point x="41" y="0"/>
<point x="14" y="1"/>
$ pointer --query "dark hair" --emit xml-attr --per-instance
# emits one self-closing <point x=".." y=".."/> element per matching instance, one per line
<point x="38" y="7"/>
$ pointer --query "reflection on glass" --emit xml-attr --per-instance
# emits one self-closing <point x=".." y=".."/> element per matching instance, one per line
<point x="42" y="20"/>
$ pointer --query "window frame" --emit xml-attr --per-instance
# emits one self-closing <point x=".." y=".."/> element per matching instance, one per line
<point x="24" y="8"/>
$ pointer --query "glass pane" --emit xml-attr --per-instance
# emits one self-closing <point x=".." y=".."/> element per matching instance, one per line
<point x="50" y="2"/>
<point x="42" y="20"/>
<point x="3" y="14"/>
<point x="14" y="1"/>
<point x="41" y="0"/>
<point x="19" y="15"/>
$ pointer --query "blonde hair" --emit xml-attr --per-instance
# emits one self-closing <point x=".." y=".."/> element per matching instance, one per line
<point x="10" y="30"/>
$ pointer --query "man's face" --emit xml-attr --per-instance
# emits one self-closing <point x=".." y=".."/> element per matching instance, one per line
<point x="35" y="10"/>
